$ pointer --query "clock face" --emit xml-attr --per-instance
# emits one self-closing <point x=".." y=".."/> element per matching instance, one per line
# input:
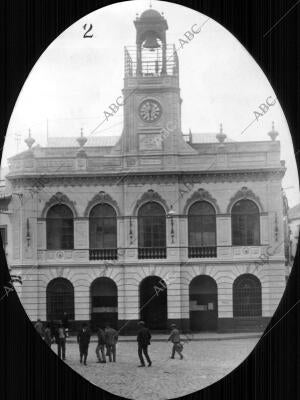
<point x="150" y="110"/>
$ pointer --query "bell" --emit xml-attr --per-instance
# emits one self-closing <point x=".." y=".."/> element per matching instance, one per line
<point x="151" y="43"/>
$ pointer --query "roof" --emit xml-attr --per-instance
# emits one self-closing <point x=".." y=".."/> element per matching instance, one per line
<point x="150" y="14"/>
<point x="294" y="212"/>
<point x="92" y="141"/>
<point x="206" y="138"/>
<point x="110" y="141"/>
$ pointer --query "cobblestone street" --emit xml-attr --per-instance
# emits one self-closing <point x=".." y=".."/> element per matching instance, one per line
<point x="205" y="362"/>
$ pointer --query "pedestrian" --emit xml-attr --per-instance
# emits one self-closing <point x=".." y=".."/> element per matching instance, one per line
<point x="65" y="322"/>
<point x="100" y="346"/>
<point x="61" y="341"/>
<point x="175" y="339"/>
<point x="48" y="335"/>
<point x="83" y="339"/>
<point x="143" y="339"/>
<point x="39" y="328"/>
<point x="111" y="338"/>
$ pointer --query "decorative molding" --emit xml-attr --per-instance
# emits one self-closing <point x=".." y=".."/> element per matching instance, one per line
<point x="158" y="177"/>
<point x="150" y="195"/>
<point x="201" y="195"/>
<point x="101" y="198"/>
<point x="244" y="194"/>
<point x="59" y="198"/>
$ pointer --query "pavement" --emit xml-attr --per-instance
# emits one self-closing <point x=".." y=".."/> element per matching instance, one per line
<point x="204" y="336"/>
<point x="205" y="362"/>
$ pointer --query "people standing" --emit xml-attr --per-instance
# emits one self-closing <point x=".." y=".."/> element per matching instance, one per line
<point x="111" y="339"/>
<point x="175" y="339"/>
<point x="39" y="328"/>
<point x="61" y="341"/>
<point x="143" y="339"/>
<point x="48" y="335"/>
<point x="83" y="339"/>
<point x="100" y="346"/>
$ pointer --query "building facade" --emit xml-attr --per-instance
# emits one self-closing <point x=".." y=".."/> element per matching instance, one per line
<point x="157" y="226"/>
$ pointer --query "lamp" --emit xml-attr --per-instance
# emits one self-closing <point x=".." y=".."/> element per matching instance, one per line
<point x="28" y="238"/>
<point x="171" y="214"/>
<point x="130" y="231"/>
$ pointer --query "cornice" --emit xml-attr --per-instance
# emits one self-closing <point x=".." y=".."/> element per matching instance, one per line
<point x="142" y="177"/>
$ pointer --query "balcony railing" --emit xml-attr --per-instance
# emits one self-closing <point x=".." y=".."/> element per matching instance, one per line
<point x="202" y="252"/>
<point x="152" y="252"/>
<point x="103" y="254"/>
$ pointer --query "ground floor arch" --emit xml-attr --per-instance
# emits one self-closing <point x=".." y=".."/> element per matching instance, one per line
<point x="203" y="303"/>
<point x="59" y="299"/>
<point x="246" y="296"/>
<point x="153" y="298"/>
<point x="104" y="303"/>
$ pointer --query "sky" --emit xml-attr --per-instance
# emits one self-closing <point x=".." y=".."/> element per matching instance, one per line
<point x="76" y="79"/>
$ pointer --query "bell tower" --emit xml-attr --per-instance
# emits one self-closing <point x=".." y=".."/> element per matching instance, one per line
<point x="151" y="94"/>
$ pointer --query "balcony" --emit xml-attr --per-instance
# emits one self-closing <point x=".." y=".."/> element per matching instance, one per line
<point x="202" y="252"/>
<point x="103" y="254"/>
<point x="152" y="252"/>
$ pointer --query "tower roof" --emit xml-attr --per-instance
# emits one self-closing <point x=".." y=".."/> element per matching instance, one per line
<point x="151" y="14"/>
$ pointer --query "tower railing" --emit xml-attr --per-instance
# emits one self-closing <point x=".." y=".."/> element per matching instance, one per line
<point x="152" y="62"/>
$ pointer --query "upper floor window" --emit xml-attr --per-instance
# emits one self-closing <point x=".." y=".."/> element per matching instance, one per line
<point x="103" y="227"/>
<point x="152" y="231"/>
<point x="202" y="230"/>
<point x="60" y="228"/>
<point x="245" y="223"/>
<point x="202" y="224"/>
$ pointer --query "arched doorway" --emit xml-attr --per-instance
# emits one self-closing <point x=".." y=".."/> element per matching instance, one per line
<point x="246" y="294"/>
<point x="60" y="299"/>
<point x="104" y="302"/>
<point x="154" y="302"/>
<point x="203" y="304"/>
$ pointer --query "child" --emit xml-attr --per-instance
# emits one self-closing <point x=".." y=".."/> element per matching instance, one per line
<point x="175" y="339"/>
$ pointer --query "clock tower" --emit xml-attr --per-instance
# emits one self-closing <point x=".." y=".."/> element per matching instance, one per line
<point x="151" y="94"/>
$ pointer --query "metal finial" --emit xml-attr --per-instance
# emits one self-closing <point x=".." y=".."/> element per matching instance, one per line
<point x="29" y="141"/>
<point x="81" y="140"/>
<point x="221" y="135"/>
<point x="273" y="133"/>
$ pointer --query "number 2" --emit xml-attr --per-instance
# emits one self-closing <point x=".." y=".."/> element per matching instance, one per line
<point x="89" y="29"/>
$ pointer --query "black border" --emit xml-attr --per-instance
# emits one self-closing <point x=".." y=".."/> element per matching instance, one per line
<point x="271" y="372"/>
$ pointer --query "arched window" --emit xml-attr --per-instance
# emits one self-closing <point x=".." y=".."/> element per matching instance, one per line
<point x="247" y="296"/>
<point x="202" y="230"/>
<point x="152" y="231"/>
<point x="60" y="228"/>
<point x="60" y="299"/>
<point x="103" y="232"/>
<point x="245" y="224"/>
